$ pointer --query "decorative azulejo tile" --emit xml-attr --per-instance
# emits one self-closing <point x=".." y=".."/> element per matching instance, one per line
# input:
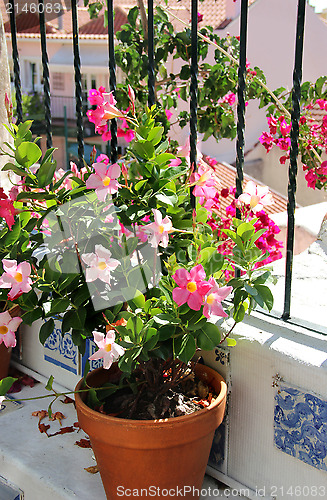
<point x="222" y="355"/>
<point x="60" y="350"/>
<point x="89" y="350"/>
<point x="300" y="425"/>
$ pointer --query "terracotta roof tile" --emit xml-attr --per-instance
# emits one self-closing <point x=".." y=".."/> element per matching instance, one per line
<point x="96" y="26"/>
<point x="28" y="23"/>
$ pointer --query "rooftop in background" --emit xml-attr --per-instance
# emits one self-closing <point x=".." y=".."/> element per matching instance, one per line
<point x="216" y="13"/>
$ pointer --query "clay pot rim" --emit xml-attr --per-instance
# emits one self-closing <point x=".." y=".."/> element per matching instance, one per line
<point x="159" y="422"/>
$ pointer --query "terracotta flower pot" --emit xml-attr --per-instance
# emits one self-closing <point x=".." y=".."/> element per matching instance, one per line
<point x="153" y="455"/>
<point x="5" y="355"/>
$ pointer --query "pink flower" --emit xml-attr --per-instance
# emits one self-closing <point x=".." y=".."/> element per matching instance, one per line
<point x="169" y="114"/>
<point x="131" y="95"/>
<point x="100" y="264"/>
<point x="8" y="326"/>
<point x="108" y="349"/>
<point x="158" y="231"/>
<point x="16" y="277"/>
<point x="175" y="162"/>
<point x="95" y="97"/>
<point x="106" y="110"/>
<point x="212" y="306"/>
<point x="200" y="17"/>
<point x="285" y="128"/>
<point x="311" y="178"/>
<point x="104" y="181"/>
<point x="267" y="141"/>
<point x="256" y="196"/>
<point x="322" y="170"/>
<point x="184" y="151"/>
<point x="284" y="143"/>
<point x="102" y="158"/>
<point x="272" y="123"/>
<point x="204" y="184"/>
<point x="192" y="287"/>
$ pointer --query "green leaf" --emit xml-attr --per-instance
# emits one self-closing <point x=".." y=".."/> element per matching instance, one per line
<point x="209" y="337"/>
<point x="135" y="324"/>
<point x="15" y="169"/>
<point x="139" y="184"/>
<point x="45" y="173"/>
<point x="27" y="154"/>
<point x="13" y="235"/>
<point x="245" y="231"/>
<point x="31" y="316"/>
<point x="231" y="342"/>
<point x="266" y="295"/>
<point x="185" y="347"/>
<point x="144" y="150"/>
<point x="5" y="384"/>
<point x="139" y="300"/>
<point x="46" y="330"/>
<point x="58" y="306"/>
<point x="48" y="387"/>
<point x="155" y="135"/>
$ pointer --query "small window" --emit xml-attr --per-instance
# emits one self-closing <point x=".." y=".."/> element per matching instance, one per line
<point x="58" y="82"/>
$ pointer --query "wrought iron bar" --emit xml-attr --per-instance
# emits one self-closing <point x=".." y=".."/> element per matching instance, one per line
<point x="241" y="98"/>
<point x="19" y="107"/>
<point x="151" y="78"/>
<point x="194" y="88"/>
<point x="112" y="78"/>
<point x="78" y="85"/>
<point x="46" y="78"/>
<point x="292" y="171"/>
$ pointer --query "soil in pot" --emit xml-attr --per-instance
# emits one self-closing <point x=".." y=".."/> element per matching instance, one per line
<point x="154" y="456"/>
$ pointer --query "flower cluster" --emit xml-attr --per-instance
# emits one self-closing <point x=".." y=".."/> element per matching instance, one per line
<point x="313" y="140"/>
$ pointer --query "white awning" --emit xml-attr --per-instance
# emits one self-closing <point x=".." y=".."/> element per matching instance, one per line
<point x="94" y="56"/>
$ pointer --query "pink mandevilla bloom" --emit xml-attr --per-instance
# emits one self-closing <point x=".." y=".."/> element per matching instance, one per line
<point x="212" y="306"/>
<point x="158" y="230"/>
<point x="204" y="184"/>
<point x="108" y="349"/>
<point x="256" y="196"/>
<point x="16" y="277"/>
<point x="8" y="326"/>
<point x="100" y="264"/>
<point x="192" y="287"/>
<point x="104" y="181"/>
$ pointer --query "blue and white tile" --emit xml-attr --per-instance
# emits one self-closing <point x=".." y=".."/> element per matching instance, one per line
<point x="300" y="425"/>
<point x="60" y="350"/>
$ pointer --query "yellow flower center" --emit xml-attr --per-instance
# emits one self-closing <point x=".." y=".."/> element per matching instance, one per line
<point x="191" y="286"/>
<point x="3" y="330"/>
<point x="19" y="277"/>
<point x="210" y="299"/>
<point x="108" y="348"/>
<point x="161" y="229"/>
<point x="106" y="181"/>
<point x="102" y="265"/>
<point x="254" y="201"/>
<point x="204" y="177"/>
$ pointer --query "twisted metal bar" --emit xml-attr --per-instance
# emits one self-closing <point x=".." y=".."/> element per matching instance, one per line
<point x="241" y="99"/>
<point x="151" y="78"/>
<point x="46" y="78"/>
<point x="112" y="78"/>
<point x="19" y="108"/>
<point x="194" y="89"/>
<point x="292" y="171"/>
<point x="78" y="85"/>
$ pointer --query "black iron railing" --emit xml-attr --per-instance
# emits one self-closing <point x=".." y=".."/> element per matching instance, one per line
<point x="193" y="100"/>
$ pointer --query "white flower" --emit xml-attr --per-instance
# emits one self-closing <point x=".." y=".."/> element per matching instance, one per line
<point x="108" y="349"/>
<point x="100" y="264"/>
